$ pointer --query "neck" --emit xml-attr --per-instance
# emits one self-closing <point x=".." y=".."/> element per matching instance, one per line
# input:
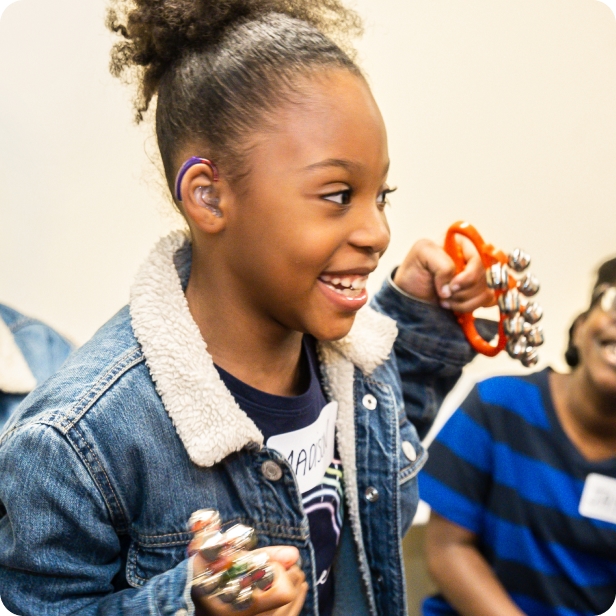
<point x="587" y="416"/>
<point x="257" y="350"/>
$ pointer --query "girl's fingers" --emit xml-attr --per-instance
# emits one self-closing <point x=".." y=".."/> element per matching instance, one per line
<point x="283" y="598"/>
<point x="478" y="291"/>
<point x="472" y="302"/>
<point x="473" y="272"/>
<point x="286" y="555"/>
<point x="296" y="606"/>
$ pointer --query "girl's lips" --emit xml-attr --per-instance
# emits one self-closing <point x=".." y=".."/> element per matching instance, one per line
<point x="347" y="303"/>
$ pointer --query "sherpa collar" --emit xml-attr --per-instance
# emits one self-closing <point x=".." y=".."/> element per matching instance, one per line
<point x="15" y="374"/>
<point x="186" y="379"/>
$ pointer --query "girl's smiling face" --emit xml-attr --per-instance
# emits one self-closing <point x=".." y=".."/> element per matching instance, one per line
<point x="307" y="225"/>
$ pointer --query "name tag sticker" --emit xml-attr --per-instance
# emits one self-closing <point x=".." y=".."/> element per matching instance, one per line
<point x="599" y="498"/>
<point x="309" y="450"/>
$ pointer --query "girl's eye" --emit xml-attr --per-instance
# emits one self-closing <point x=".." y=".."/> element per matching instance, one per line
<point x="342" y="197"/>
<point x="382" y="196"/>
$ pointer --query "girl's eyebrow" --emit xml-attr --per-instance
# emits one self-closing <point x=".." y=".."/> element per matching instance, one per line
<point x="348" y="165"/>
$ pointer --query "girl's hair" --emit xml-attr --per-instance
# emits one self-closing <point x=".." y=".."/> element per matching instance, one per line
<point x="221" y="67"/>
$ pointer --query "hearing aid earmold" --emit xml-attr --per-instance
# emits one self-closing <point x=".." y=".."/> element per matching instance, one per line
<point x="506" y="275"/>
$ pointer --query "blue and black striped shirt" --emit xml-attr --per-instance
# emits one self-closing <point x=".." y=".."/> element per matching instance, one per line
<point x="503" y="468"/>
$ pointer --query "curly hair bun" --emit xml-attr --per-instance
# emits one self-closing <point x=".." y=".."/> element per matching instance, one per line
<point x="156" y="33"/>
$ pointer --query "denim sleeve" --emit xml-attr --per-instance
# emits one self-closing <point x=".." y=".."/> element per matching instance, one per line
<point x="430" y="350"/>
<point x="43" y="348"/>
<point x="59" y="552"/>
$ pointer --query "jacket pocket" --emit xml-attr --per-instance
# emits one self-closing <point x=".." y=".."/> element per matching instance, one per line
<point x="412" y="456"/>
<point x="152" y="555"/>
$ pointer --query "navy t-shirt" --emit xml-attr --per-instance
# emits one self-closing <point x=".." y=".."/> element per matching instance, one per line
<point x="302" y="428"/>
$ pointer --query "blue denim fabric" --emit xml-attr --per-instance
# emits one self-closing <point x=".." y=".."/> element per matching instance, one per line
<point x="96" y="486"/>
<point x="43" y="349"/>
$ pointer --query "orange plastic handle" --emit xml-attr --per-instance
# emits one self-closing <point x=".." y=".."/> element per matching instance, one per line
<point x="489" y="256"/>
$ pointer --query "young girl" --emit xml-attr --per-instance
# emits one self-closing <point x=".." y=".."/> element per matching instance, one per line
<point x="247" y="348"/>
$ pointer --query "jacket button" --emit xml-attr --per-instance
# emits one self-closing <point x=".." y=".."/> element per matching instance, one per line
<point x="369" y="401"/>
<point x="372" y="494"/>
<point x="271" y="470"/>
<point x="409" y="451"/>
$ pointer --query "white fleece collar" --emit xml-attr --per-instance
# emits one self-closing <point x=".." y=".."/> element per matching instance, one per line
<point x="15" y="374"/>
<point x="208" y="420"/>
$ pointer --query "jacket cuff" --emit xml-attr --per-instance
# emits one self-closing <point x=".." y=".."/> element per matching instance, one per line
<point x="424" y="329"/>
<point x="190" y="606"/>
<point x="170" y="592"/>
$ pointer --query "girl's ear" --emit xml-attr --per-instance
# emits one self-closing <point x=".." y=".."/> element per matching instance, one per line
<point x="204" y="198"/>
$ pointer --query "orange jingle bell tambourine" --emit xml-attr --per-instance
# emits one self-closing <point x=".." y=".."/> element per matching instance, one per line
<point x="518" y="331"/>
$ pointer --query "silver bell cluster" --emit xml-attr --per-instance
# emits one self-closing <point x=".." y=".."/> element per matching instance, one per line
<point x="233" y="571"/>
<point x="521" y="315"/>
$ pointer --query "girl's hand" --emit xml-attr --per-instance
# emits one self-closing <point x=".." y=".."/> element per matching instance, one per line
<point x="285" y="597"/>
<point x="428" y="273"/>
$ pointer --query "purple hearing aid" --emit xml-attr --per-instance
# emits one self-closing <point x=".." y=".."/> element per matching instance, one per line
<point x="193" y="160"/>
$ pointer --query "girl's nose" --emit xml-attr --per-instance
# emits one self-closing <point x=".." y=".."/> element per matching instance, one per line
<point x="372" y="232"/>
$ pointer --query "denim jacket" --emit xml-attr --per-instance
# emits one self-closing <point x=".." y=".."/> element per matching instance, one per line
<point x="30" y="352"/>
<point x="101" y="468"/>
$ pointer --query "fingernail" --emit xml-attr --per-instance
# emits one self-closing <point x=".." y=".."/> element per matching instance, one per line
<point x="446" y="305"/>
<point x="445" y="291"/>
<point x="455" y="287"/>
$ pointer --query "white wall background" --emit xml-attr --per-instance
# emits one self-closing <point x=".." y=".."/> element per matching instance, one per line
<point x="501" y="113"/>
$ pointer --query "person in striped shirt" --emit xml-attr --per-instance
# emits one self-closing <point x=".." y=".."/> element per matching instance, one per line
<point x="522" y="485"/>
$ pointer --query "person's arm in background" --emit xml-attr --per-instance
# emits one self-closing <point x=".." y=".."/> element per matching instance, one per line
<point x="462" y="574"/>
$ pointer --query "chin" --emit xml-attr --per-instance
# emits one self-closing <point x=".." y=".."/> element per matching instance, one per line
<point x="333" y="330"/>
<point x="603" y="379"/>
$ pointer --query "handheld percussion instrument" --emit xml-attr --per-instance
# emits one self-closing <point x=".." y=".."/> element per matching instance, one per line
<point x="518" y="331"/>
<point x="233" y="572"/>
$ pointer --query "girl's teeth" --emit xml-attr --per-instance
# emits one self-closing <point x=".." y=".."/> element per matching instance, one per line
<point x="349" y="286"/>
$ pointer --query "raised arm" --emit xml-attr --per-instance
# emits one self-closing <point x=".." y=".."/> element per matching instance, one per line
<point x="431" y="348"/>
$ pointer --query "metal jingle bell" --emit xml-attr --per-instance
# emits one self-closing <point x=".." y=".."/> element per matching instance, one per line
<point x="519" y="260"/>
<point x="529" y="285"/>
<point x="239" y="567"/>
<point x="515" y="326"/>
<point x="207" y="582"/>
<point x="517" y="347"/>
<point x="240" y="537"/>
<point x="229" y="592"/>
<point x="535" y="336"/>
<point x="243" y="600"/>
<point x="263" y="578"/>
<point x="530" y="357"/>
<point x="497" y="276"/>
<point x="248" y="563"/>
<point x="204" y="520"/>
<point x="259" y="560"/>
<point x="509" y="303"/>
<point x="533" y="312"/>
<point x="212" y="546"/>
